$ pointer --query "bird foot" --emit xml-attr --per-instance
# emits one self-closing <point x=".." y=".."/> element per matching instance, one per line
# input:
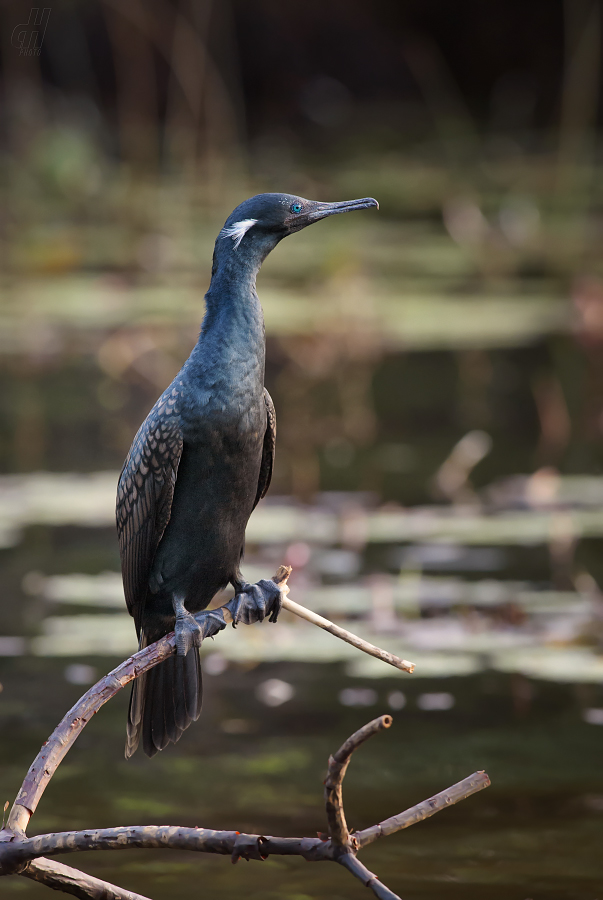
<point x="188" y="633"/>
<point x="210" y="622"/>
<point x="253" y="602"/>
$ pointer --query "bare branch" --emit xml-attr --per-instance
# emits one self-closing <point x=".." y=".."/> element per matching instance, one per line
<point x="281" y="578"/>
<point x="353" y="865"/>
<point x="459" y="791"/>
<point x="25" y="856"/>
<point x="14" y="855"/>
<point x="71" y="881"/>
<point x="338" y="764"/>
<point x="403" y="664"/>
<point x="65" y="734"/>
<point x="63" y="737"/>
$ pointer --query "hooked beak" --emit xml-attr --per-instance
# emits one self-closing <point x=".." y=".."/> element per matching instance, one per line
<point x="322" y="210"/>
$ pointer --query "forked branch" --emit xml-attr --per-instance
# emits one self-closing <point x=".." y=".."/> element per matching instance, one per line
<point x="338" y="764"/>
<point x="22" y="855"/>
<point x="54" y="750"/>
<point x="25" y="856"/>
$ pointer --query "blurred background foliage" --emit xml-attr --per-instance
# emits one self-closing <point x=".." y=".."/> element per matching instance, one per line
<point x="436" y="369"/>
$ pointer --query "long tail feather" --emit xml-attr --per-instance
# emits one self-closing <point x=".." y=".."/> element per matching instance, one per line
<point x="164" y="702"/>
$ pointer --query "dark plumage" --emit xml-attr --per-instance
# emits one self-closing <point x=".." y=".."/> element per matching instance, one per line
<point x="200" y="463"/>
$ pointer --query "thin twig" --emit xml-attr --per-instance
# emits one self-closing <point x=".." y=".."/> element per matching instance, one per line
<point x="459" y="791"/>
<point x="71" y="881"/>
<point x="353" y="865"/>
<point x="297" y="609"/>
<point x="403" y="664"/>
<point x="338" y="764"/>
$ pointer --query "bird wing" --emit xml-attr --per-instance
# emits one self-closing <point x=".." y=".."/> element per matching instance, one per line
<point x="144" y="496"/>
<point x="268" y="450"/>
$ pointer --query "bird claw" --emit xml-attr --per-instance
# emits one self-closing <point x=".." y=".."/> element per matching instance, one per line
<point x="253" y="602"/>
<point x="188" y="633"/>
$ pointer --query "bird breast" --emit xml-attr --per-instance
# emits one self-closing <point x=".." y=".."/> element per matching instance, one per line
<point x="223" y="410"/>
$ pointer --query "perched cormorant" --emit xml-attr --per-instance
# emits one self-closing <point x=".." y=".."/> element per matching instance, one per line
<point x="201" y="461"/>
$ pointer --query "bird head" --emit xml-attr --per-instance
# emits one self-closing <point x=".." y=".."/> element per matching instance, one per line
<point x="256" y="226"/>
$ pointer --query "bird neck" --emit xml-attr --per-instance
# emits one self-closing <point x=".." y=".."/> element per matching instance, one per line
<point x="232" y="332"/>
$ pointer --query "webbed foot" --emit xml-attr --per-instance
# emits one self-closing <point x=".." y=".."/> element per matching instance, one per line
<point x="253" y="602"/>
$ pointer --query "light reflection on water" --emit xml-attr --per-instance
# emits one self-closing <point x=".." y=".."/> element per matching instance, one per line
<point x="449" y="624"/>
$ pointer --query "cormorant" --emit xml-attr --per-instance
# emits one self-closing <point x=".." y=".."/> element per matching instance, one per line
<point x="199" y="464"/>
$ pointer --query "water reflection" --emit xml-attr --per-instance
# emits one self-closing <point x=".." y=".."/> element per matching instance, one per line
<point x="429" y="598"/>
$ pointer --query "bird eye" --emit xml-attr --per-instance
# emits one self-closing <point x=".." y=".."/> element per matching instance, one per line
<point x="296" y="207"/>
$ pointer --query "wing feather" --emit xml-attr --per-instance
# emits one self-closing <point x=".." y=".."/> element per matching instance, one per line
<point x="144" y="495"/>
<point x="267" y="463"/>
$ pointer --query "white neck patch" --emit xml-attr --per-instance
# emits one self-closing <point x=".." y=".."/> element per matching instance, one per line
<point x="238" y="231"/>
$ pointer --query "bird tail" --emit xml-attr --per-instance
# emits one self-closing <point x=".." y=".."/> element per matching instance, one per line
<point x="163" y="703"/>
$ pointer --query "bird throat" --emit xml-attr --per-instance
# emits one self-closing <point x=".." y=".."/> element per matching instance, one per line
<point x="227" y="364"/>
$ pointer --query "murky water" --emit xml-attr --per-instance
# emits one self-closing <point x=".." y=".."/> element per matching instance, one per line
<point x="406" y="429"/>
